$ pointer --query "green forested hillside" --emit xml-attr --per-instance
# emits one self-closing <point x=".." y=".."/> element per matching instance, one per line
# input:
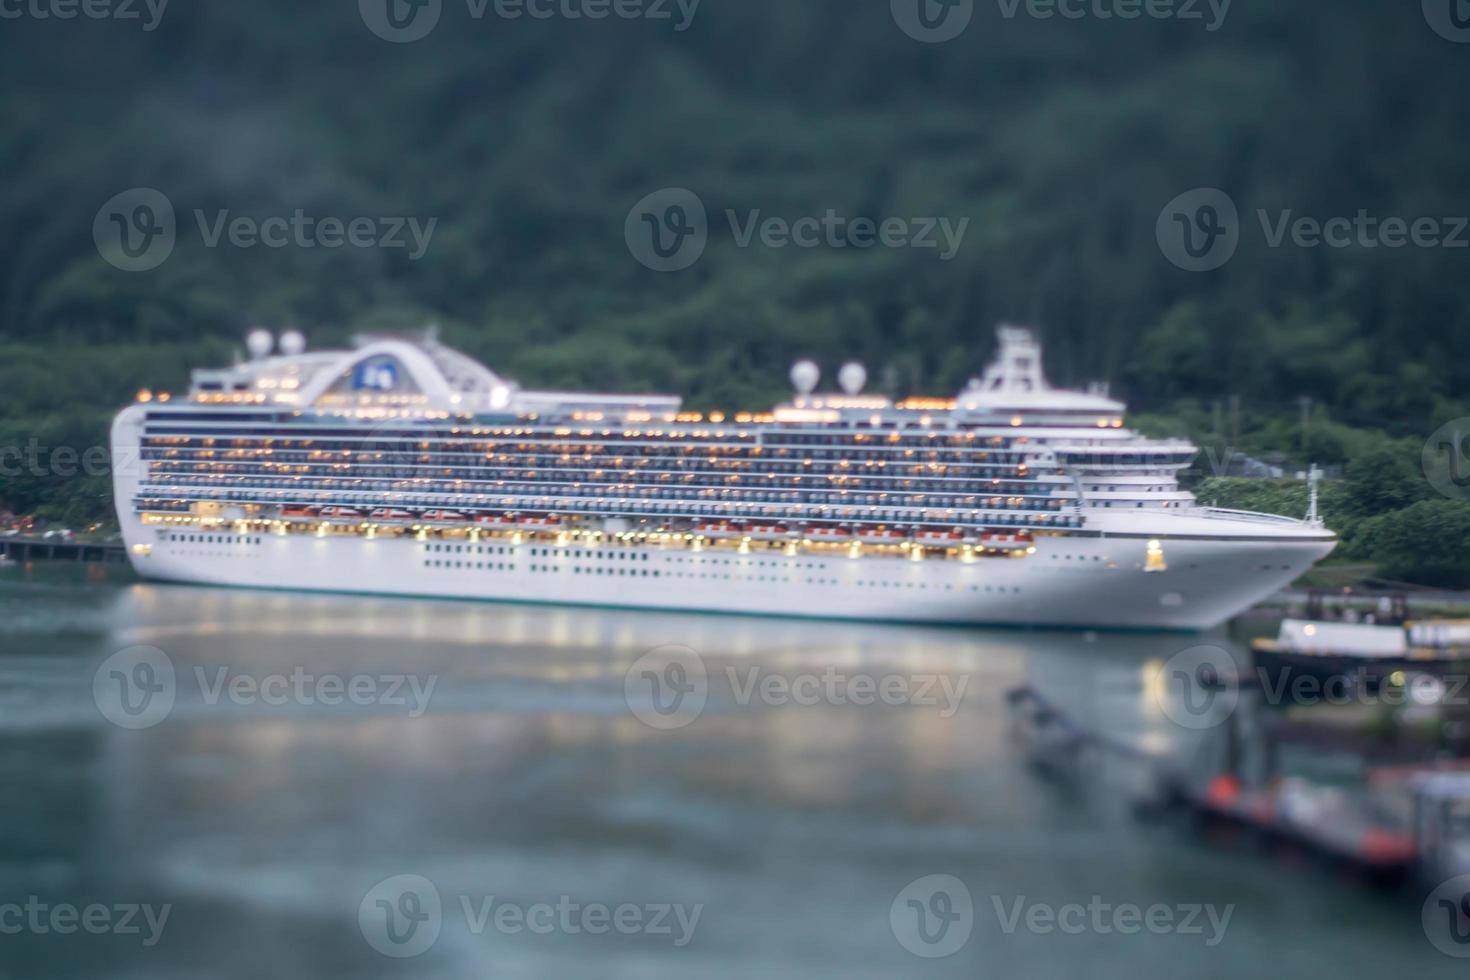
<point x="1059" y="140"/>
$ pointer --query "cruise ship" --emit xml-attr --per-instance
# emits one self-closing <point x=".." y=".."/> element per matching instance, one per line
<point x="403" y="467"/>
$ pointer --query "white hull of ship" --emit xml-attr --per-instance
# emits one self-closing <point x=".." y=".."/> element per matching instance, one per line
<point x="1069" y="581"/>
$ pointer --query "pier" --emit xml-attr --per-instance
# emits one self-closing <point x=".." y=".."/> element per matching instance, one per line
<point x="1407" y="825"/>
<point x="40" y="549"/>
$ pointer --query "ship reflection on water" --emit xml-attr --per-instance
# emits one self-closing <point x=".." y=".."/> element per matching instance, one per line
<point x="791" y="809"/>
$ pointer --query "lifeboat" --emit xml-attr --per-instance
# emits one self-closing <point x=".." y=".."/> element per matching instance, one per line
<point x="839" y="535"/>
<point x="391" y="514"/>
<point x="444" y="517"/>
<point x="943" y="539"/>
<point x="496" y="521"/>
<point x="719" y="529"/>
<point x="767" y="532"/>
<point x="881" y="535"/>
<point x="341" y="514"/>
<point x="542" y="523"/>
<point x="1005" y="540"/>
<point x="299" y="512"/>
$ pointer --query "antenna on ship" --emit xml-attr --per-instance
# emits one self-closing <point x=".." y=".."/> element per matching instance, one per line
<point x="293" y="342"/>
<point x="259" y="343"/>
<point x="852" y="377"/>
<point x="804" y="377"/>
<point x="1314" y="477"/>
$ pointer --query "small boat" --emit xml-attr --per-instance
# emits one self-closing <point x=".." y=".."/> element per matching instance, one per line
<point x="542" y="523"/>
<point x="719" y="529"/>
<point x="444" y="517"/>
<point x="340" y="514"/>
<point x="391" y="514"/>
<point x="767" y="532"/>
<point x="839" y="535"/>
<point x="492" y="521"/>
<point x="298" y="512"/>
<point x="1367" y="652"/>
<point x="943" y="539"/>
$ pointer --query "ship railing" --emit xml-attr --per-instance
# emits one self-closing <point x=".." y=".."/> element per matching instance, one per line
<point x="154" y="500"/>
<point x="1124" y="447"/>
<point x="1253" y="516"/>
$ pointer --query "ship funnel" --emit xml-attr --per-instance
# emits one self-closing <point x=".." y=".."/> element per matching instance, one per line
<point x="804" y="377"/>
<point x="259" y="343"/>
<point x="852" y="377"/>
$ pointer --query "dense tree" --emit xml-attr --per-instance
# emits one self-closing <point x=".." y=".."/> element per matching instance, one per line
<point x="1059" y="141"/>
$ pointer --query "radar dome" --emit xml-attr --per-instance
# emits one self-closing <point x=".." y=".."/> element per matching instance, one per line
<point x="259" y="343"/>
<point x="804" y="376"/>
<point x="293" y="342"/>
<point x="852" y="377"/>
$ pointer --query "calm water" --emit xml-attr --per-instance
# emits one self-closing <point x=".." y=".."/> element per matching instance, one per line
<point x="267" y="828"/>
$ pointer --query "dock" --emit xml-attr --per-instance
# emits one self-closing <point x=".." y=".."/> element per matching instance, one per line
<point x="1274" y="815"/>
<point x="41" y="549"/>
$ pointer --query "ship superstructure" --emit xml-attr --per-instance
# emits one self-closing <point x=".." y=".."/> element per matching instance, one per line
<point x="404" y="467"/>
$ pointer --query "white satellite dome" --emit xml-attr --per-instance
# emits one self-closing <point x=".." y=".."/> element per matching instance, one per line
<point x="852" y="377"/>
<point x="259" y="343"/>
<point x="804" y="376"/>
<point x="293" y="342"/>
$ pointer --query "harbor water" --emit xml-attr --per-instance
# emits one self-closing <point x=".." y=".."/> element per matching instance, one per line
<point x="328" y="774"/>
